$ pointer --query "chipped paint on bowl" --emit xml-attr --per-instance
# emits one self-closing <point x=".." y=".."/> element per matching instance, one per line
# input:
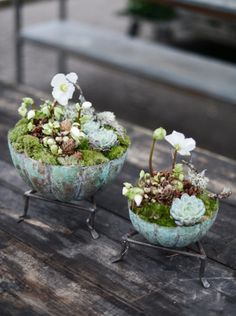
<point x="65" y="183"/>
<point x="171" y="237"/>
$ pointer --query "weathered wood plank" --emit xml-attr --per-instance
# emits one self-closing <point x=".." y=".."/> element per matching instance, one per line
<point x="144" y="272"/>
<point x="51" y="289"/>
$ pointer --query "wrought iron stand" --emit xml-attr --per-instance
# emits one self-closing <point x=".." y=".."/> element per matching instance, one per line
<point x="91" y="210"/>
<point x="127" y="240"/>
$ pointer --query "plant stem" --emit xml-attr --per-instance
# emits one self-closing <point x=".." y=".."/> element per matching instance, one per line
<point x="81" y="92"/>
<point x="174" y="159"/>
<point x="151" y="156"/>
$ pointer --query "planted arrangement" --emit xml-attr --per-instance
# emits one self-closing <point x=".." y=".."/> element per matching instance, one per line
<point x="60" y="142"/>
<point x="63" y="133"/>
<point x="173" y="207"/>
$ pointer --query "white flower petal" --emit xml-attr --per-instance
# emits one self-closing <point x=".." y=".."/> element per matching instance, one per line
<point x="184" y="152"/>
<point x="70" y="91"/>
<point x="189" y="144"/>
<point x="175" y="138"/>
<point x="72" y="77"/>
<point x="138" y="199"/>
<point x="58" y="79"/>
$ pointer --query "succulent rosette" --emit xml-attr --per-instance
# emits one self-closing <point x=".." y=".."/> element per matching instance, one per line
<point x="62" y="132"/>
<point x="187" y="210"/>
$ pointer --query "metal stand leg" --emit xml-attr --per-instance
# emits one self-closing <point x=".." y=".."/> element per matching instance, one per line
<point x="92" y="209"/>
<point x="26" y="206"/>
<point x="134" y="28"/>
<point x="91" y="219"/>
<point x="203" y="261"/>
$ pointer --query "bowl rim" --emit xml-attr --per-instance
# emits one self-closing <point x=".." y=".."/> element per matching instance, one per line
<point x="61" y="166"/>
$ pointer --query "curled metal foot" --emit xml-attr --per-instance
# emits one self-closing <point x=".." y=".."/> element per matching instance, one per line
<point x="124" y="250"/>
<point x="205" y="283"/>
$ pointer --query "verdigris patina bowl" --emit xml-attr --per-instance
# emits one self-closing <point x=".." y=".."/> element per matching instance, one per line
<point x="65" y="183"/>
<point x="171" y="237"/>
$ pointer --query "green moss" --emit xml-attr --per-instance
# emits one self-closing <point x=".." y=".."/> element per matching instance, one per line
<point x="45" y="157"/>
<point x="124" y="140"/>
<point x="20" y="129"/>
<point x="211" y="205"/>
<point x="19" y="144"/>
<point x="84" y="144"/>
<point x="160" y="214"/>
<point x="23" y="121"/>
<point x="34" y="149"/>
<point x="155" y="213"/>
<point x="115" y="152"/>
<point x="92" y="157"/>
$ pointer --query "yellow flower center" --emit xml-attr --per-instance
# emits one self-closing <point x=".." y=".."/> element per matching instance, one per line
<point x="63" y="87"/>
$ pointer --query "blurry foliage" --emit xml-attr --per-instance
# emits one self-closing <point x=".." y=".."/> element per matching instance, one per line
<point x="151" y="11"/>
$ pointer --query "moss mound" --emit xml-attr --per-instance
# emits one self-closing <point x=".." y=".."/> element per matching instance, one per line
<point x="160" y="214"/>
<point x="124" y="141"/>
<point x="92" y="157"/>
<point x="115" y="152"/>
<point x="20" y="129"/>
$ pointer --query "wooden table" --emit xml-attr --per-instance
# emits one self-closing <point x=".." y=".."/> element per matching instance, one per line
<point x="49" y="265"/>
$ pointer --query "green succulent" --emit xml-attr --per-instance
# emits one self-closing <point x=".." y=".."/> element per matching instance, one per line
<point x="102" y="139"/>
<point x="90" y="127"/>
<point x="188" y="210"/>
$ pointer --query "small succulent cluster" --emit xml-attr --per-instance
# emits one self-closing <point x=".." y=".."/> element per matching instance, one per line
<point x="173" y="197"/>
<point x="68" y="133"/>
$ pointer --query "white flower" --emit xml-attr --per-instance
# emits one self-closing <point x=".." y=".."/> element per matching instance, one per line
<point x="86" y="105"/>
<point x="76" y="133"/>
<point x="31" y="114"/>
<point x="63" y="89"/>
<point x="138" y="199"/>
<point x="180" y="143"/>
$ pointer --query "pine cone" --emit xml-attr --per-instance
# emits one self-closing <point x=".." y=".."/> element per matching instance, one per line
<point x="65" y="125"/>
<point x="37" y="131"/>
<point x="68" y="147"/>
<point x="190" y="189"/>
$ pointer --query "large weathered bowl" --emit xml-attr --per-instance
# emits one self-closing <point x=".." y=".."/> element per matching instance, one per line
<point x="65" y="183"/>
<point x="178" y="237"/>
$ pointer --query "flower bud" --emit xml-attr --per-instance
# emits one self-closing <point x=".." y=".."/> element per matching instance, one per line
<point x="54" y="149"/>
<point x="51" y="142"/>
<point x="159" y="134"/>
<point x="22" y="110"/>
<point x="31" y="114"/>
<point x="28" y="101"/>
<point x="86" y="105"/>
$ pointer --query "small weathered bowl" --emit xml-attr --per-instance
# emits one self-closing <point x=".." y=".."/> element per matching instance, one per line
<point x="171" y="237"/>
<point x="65" y="183"/>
